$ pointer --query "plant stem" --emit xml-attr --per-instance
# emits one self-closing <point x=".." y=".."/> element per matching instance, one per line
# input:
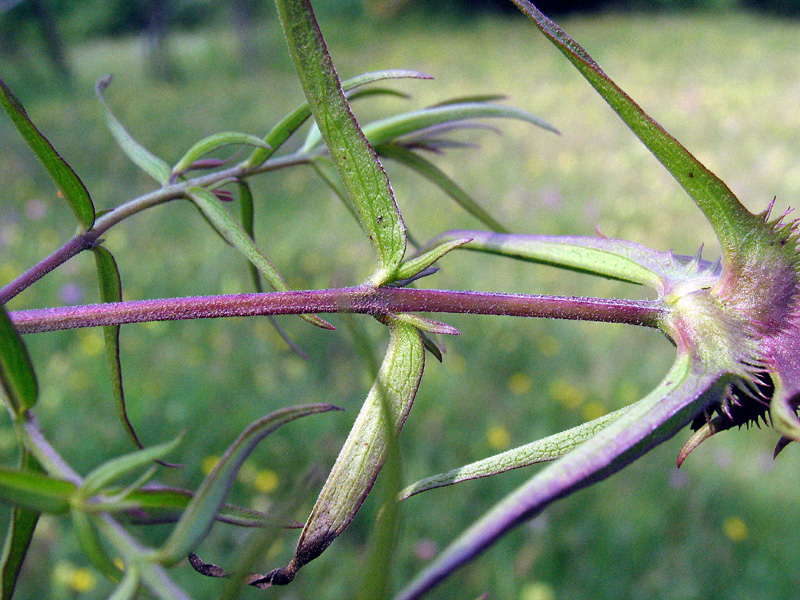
<point x="85" y="240"/>
<point x="366" y="300"/>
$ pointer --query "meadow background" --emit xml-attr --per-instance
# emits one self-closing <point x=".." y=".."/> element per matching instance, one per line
<point x="727" y="84"/>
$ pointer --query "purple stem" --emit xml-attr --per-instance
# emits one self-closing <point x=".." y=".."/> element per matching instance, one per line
<point x="366" y="300"/>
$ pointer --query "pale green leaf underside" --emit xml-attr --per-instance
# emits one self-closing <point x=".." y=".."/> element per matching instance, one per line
<point x="685" y="391"/>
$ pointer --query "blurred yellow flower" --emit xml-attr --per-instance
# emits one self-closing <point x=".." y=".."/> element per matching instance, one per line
<point x="735" y="529"/>
<point x="209" y="462"/>
<point x="520" y="384"/>
<point x="498" y="437"/>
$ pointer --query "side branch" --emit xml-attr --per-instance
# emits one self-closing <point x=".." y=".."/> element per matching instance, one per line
<point x="365" y="300"/>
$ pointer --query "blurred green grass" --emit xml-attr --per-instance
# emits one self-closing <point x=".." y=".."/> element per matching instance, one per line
<point x="726" y="86"/>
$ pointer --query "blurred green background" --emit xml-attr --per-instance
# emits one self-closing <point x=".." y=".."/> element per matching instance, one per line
<point x="726" y="83"/>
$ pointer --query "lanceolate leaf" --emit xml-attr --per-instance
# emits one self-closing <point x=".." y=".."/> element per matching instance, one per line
<point x="139" y="155"/>
<point x="544" y="450"/>
<point x="731" y="221"/>
<point x="111" y="291"/>
<point x="21" y="527"/>
<point x="204" y="506"/>
<point x="433" y="173"/>
<point x="292" y="122"/>
<point x="364" y="452"/>
<point x="686" y="390"/>
<point x="233" y="233"/>
<point x="89" y="539"/>
<point x="358" y="165"/>
<point x="67" y="181"/>
<point x="416" y="265"/>
<point x="17" y="379"/>
<point x="615" y="259"/>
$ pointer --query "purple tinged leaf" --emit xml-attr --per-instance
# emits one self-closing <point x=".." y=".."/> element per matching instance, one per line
<point x="364" y="452"/>
<point x="70" y="186"/>
<point x="17" y="378"/>
<point x="686" y="390"/>
<point x="211" y="143"/>
<point x="414" y="266"/>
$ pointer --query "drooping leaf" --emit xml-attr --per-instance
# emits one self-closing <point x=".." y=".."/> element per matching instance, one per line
<point x="359" y="167"/>
<point x="202" y="510"/>
<point x="292" y="122"/>
<point x="21" y="527"/>
<point x="544" y="450"/>
<point x="247" y="210"/>
<point x="731" y="221"/>
<point x="434" y="174"/>
<point x="129" y="586"/>
<point x="232" y="232"/>
<point x="213" y="142"/>
<point x="148" y="162"/>
<point x="685" y="391"/>
<point x="364" y="452"/>
<point x="17" y="378"/>
<point x="69" y="184"/>
<point x="111" y="291"/>
<point x="92" y="546"/>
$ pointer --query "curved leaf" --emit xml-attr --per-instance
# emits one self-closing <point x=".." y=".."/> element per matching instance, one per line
<point x="292" y="122"/>
<point x="685" y="391"/>
<point x="139" y="155"/>
<point x="17" y="378"/>
<point x="213" y="142"/>
<point x="201" y="512"/>
<point x="35" y="491"/>
<point x="67" y="181"/>
<point x="233" y="233"/>
<point x="364" y="452"/>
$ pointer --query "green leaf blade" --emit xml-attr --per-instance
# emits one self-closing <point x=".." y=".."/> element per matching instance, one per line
<point x="202" y="510"/>
<point x="356" y="161"/>
<point x="729" y="218"/>
<point x="69" y="184"/>
<point x="148" y="162"/>
<point x="17" y="377"/>
<point x="35" y="491"/>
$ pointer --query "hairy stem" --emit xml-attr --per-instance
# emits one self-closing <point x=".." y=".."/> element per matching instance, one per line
<point x="366" y="300"/>
<point x="85" y="240"/>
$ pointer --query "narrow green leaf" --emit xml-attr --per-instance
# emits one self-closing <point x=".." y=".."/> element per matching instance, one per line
<point x="607" y="257"/>
<point x="89" y="539"/>
<point x="35" y="491"/>
<point x="118" y="467"/>
<point x="19" y="534"/>
<point x="365" y="451"/>
<point x="292" y="122"/>
<point x="436" y="176"/>
<point x="232" y="232"/>
<point x="213" y="142"/>
<point x="543" y="450"/>
<point x="139" y="155"/>
<point x="150" y="505"/>
<point x="731" y="221"/>
<point x="426" y="324"/>
<point x="389" y="129"/>
<point x="359" y="167"/>
<point x="416" y="265"/>
<point x="688" y="389"/>
<point x="111" y="291"/>
<point x="17" y="378"/>
<point x="247" y="209"/>
<point x="67" y="181"/>
<point x="201" y="512"/>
